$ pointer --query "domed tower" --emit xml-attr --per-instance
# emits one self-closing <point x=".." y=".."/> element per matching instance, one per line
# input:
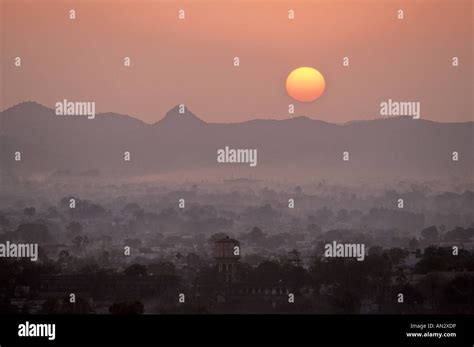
<point x="227" y="255"/>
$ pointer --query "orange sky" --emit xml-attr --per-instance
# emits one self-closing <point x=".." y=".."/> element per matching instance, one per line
<point x="191" y="61"/>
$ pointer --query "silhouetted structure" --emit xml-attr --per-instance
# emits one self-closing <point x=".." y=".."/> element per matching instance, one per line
<point x="227" y="255"/>
<point x="294" y="257"/>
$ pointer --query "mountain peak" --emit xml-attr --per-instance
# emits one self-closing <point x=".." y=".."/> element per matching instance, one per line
<point x="26" y="106"/>
<point x="180" y="114"/>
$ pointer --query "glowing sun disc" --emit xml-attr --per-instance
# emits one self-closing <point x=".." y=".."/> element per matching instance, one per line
<point x="305" y="84"/>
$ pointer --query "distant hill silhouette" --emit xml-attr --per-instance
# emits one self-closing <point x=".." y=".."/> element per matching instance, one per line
<point x="296" y="147"/>
<point x="174" y="118"/>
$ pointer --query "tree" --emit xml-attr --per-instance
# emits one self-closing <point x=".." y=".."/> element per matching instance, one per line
<point x="135" y="270"/>
<point x="298" y="191"/>
<point x="81" y="242"/>
<point x="135" y="243"/>
<point x="131" y="208"/>
<point x="81" y="306"/>
<point x="52" y="212"/>
<point x="64" y="254"/>
<point x="256" y="235"/>
<point x="51" y="306"/>
<point x="268" y="271"/>
<point x="432" y="287"/>
<point x="29" y="211"/>
<point x="459" y="234"/>
<point x="375" y="250"/>
<point x="91" y="268"/>
<point x="4" y="222"/>
<point x="346" y="300"/>
<point x="430" y="234"/>
<point x="162" y="268"/>
<point x="313" y="228"/>
<point x="135" y="307"/>
<point x="432" y="261"/>
<point x="85" y="208"/>
<point x="323" y="216"/>
<point x="342" y="215"/>
<point x="104" y="258"/>
<point x="33" y="233"/>
<point x="74" y="228"/>
<point x="413" y="244"/>
<point x="396" y="255"/>
<point x="458" y="296"/>
<point x="411" y="297"/>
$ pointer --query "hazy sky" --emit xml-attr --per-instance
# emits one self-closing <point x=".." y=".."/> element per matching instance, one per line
<point x="190" y="61"/>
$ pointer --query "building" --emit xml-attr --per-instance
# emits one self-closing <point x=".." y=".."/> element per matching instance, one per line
<point x="111" y="286"/>
<point x="227" y="256"/>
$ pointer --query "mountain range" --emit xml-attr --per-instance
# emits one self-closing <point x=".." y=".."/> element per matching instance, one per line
<point x="183" y="144"/>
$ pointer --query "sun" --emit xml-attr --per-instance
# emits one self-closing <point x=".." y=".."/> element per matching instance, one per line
<point x="305" y="84"/>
